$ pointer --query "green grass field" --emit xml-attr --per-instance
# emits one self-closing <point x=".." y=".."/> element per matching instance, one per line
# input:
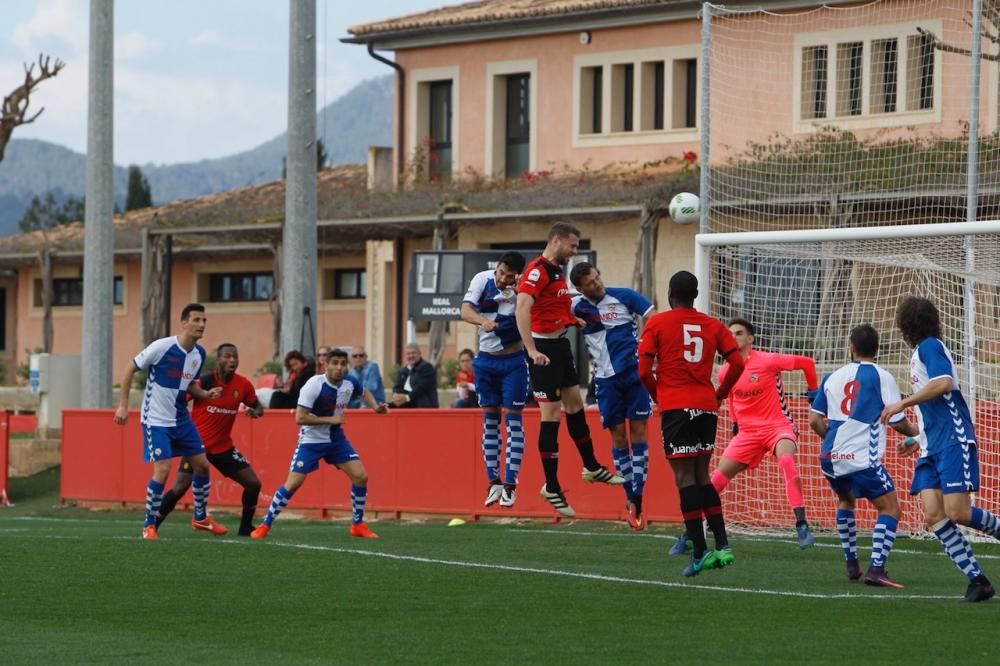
<point x="80" y="586"/>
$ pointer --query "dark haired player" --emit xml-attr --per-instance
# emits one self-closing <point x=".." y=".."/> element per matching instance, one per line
<point x="214" y="418"/>
<point x="763" y="424"/>
<point x="846" y="415"/>
<point x="320" y="412"/>
<point x="611" y="333"/>
<point x="682" y="344"/>
<point x="167" y="429"/>
<point x="500" y="371"/>
<point x="947" y="471"/>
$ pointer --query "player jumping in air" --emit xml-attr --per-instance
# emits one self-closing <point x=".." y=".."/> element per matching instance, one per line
<point x="845" y="414"/>
<point x="214" y="419"/>
<point x="682" y="344"/>
<point x="543" y="319"/>
<point x="167" y="429"/>
<point x="611" y="335"/>
<point x="320" y="412"/>
<point x="947" y="470"/>
<point x="500" y="370"/>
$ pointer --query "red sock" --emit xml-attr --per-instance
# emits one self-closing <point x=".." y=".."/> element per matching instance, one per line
<point x="793" y="484"/>
<point x="720" y="481"/>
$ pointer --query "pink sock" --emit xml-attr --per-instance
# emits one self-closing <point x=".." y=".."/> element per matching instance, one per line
<point x="793" y="484"/>
<point x="720" y="481"/>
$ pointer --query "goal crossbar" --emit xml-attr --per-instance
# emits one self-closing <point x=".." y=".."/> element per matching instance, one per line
<point x="705" y="241"/>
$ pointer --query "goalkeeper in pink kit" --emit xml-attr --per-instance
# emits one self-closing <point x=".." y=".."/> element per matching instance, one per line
<point x="762" y="424"/>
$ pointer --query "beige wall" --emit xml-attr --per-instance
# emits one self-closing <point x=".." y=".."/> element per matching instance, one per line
<point x="248" y="325"/>
<point x="759" y="109"/>
<point x="554" y="55"/>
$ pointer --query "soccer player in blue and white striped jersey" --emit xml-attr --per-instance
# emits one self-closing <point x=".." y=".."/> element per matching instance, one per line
<point x="846" y="415"/>
<point x="611" y="333"/>
<point x="320" y="412"/>
<point x="173" y="364"/>
<point x="501" y="371"/>
<point x="947" y="471"/>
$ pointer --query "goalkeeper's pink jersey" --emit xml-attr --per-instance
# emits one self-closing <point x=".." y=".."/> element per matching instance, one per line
<point x="758" y="399"/>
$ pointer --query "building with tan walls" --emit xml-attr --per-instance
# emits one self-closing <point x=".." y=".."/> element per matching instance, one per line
<point x="486" y="91"/>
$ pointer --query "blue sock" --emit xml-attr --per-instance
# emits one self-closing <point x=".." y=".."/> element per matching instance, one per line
<point x="985" y="522"/>
<point x="278" y="502"/>
<point x="847" y="530"/>
<point x="883" y="538"/>
<point x="623" y="465"/>
<point x="491" y="445"/>
<point x="359" y="495"/>
<point x="640" y="467"/>
<point x="154" y="495"/>
<point x="957" y="548"/>
<point x="515" y="447"/>
<point x="200" y="485"/>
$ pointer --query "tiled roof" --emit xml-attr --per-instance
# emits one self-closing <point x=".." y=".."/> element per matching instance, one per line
<point x="487" y="11"/>
<point x="359" y="215"/>
<point x="254" y="204"/>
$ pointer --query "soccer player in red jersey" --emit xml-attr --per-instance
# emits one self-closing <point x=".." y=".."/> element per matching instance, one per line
<point x="543" y="318"/>
<point x="762" y="424"/>
<point x="682" y="343"/>
<point x="214" y="420"/>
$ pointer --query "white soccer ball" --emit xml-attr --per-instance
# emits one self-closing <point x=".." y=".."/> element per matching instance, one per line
<point x="685" y="208"/>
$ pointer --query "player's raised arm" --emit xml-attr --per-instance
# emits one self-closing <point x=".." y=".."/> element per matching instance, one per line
<point x="808" y="367"/>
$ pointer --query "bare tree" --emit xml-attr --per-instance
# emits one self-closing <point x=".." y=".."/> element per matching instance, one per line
<point x="14" y="111"/>
<point x="990" y="32"/>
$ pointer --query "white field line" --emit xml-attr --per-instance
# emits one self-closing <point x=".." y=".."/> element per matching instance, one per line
<point x="558" y="572"/>
<point x="614" y="535"/>
<point x="905" y="551"/>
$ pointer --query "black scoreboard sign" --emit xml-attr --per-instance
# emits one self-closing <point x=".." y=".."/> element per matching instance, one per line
<point x="440" y="278"/>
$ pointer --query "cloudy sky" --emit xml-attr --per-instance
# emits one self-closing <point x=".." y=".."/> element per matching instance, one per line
<point x="194" y="79"/>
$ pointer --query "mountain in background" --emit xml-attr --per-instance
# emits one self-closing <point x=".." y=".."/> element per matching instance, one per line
<point x="360" y="118"/>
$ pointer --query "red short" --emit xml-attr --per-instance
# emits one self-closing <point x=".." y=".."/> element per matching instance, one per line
<point x="750" y="446"/>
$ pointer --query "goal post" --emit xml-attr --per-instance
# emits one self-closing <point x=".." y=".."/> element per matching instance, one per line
<point x="805" y="289"/>
<point x="848" y="150"/>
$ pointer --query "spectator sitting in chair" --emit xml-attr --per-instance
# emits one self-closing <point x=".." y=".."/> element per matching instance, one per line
<point x="321" y="355"/>
<point x="368" y="375"/>
<point x="300" y="369"/>
<point x="465" y="381"/>
<point x="416" y="385"/>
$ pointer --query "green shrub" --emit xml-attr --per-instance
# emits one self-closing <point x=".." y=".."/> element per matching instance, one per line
<point x="273" y="367"/>
<point x="446" y="372"/>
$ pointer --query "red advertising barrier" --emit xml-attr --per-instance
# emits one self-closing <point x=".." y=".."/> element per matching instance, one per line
<point x="4" y="451"/>
<point x="418" y="461"/>
<point x="23" y="423"/>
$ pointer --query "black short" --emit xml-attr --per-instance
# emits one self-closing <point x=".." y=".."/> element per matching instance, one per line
<point x="688" y="432"/>
<point x="547" y="381"/>
<point x="229" y="463"/>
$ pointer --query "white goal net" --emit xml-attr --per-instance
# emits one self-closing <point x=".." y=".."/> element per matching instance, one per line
<point x="805" y="298"/>
<point x="854" y="117"/>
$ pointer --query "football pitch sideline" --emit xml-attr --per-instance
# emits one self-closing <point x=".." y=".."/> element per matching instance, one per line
<point x="80" y="586"/>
